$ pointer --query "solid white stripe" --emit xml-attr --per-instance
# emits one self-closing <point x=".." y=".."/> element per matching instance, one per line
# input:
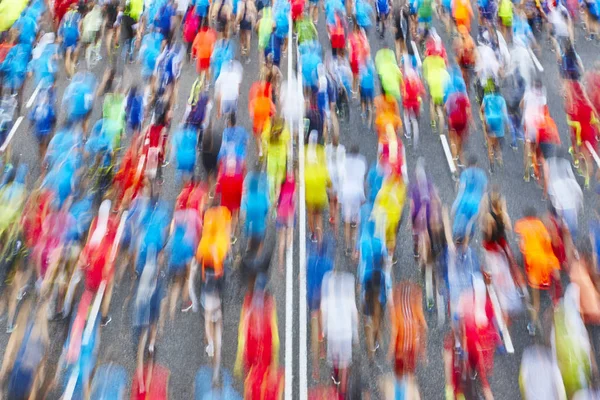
<point x="289" y="265"/>
<point x="34" y="95"/>
<point x="302" y="259"/>
<point x="448" y="153"/>
<point x="11" y="133"/>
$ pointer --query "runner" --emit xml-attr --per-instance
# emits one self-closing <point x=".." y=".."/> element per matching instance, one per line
<point x="541" y="265"/>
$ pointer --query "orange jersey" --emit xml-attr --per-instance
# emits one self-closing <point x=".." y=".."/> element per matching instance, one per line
<point x="382" y="120"/>
<point x="215" y="241"/>
<point x="203" y="45"/>
<point x="536" y="246"/>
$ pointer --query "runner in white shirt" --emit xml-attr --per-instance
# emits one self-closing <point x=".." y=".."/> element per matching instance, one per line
<point x="352" y="194"/>
<point x="561" y="25"/>
<point x="227" y="87"/>
<point x="339" y="317"/>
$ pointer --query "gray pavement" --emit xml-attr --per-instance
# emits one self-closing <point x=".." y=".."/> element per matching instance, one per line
<point x="181" y="346"/>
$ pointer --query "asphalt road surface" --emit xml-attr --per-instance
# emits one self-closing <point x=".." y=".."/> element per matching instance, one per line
<point x="181" y="346"/>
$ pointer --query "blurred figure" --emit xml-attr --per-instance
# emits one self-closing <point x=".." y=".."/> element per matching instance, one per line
<point x="23" y="367"/>
<point x="339" y="317"/>
<point x="227" y="88"/>
<point x="539" y="375"/>
<point x="409" y="331"/>
<point x="255" y="206"/>
<point x="319" y="262"/>
<point x="230" y="186"/>
<point x="541" y="265"/>
<point x="147" y="310"/>
<point x="571" y="343"/>
<point x="352" y="194"/>
<point x="472" y="187"/>
<point x="317" y="181"/>
<point x="69" y="33"/>
<point x="258" y="337"/>
<point x="563" y="190"/>
<point x="286" y="210"/>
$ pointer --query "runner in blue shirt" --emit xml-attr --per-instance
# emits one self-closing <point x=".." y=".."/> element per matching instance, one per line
<point x="45" y="67"/>
<point x="14" y="69"/>
<point x="319" y="262"/>
<point x="78" y="99"/>
<point x="495" y="122"/>
<point x="255" y="206"/>
<point x="134" y="110"/>
<point x="43" y="118"/>
<point x="69" y="32"/>
<point x="367" y="91"/>
<point x="235" y="135"/>
<point x="364" y="14"/>
<point x="183" y="151"/>
<point x="383" y="10"/>
<point x="471" y="188"/>
<point x="27" y="27"/>
<point x="149" y="51"/>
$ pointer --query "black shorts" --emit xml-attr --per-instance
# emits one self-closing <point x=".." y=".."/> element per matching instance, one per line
<point x="547" y="149"/>
<point x="245" y="25"/>
<point x="399" y="34"/>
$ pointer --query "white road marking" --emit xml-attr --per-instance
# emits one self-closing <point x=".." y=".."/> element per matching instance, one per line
<point x="303" y="321"/>
<point x="535" y="60"/>
<point x="416" y="51"/>
<point x="71" y="384"/>
<point x="448" y="154"/>
<point x="11" y="133"/>
<point x="593" y="152"/>
<point x="289" y="263"/>
<point x="500" y="320"/>
<point x="34" y="95"/>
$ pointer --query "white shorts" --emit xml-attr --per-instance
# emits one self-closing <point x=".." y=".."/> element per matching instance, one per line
<point x="351" y="203"/>
<point x="339" y="352"/>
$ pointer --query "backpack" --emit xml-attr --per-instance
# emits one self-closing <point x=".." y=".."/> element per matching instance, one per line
<point x="458" y="115"/>
<point x="197" y="112"/>
<point x="338" y="40"/>
<point x="190" y="28"/>
<point x="425" y="9"/>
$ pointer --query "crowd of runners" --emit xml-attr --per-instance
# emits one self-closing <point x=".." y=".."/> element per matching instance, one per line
<point x="94" y="213"/>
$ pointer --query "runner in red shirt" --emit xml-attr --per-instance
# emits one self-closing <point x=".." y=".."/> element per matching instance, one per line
<point x="458" y="109"/>
<point x="230" y="185"/>
<point x="359" y="50"/>
<point x="97" y="258"/>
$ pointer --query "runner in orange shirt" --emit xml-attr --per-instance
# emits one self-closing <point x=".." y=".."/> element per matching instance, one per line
<point x="462" y="13"/>
<point x="202" y="48"/>
<point x="408" y="341"/>
<point x="541" y="265"/>
<point x="261" y="110"/>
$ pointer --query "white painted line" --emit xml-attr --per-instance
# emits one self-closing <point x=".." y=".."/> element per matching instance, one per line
<point x="89" y="327"/>
<point x="289" y="263"/>
<point x="535" y="60"/>
<point x="416" y="51"/>
<point x="429" y="283"/>
<point x="593" y="152"/>
<point x="448" y="154"/>
<point x="71" y="384"/>
<point x="500" y="320"/>
<point x="34" y="95"/>
<point x="302" y="257"/>
<point x="11" y="133"/>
